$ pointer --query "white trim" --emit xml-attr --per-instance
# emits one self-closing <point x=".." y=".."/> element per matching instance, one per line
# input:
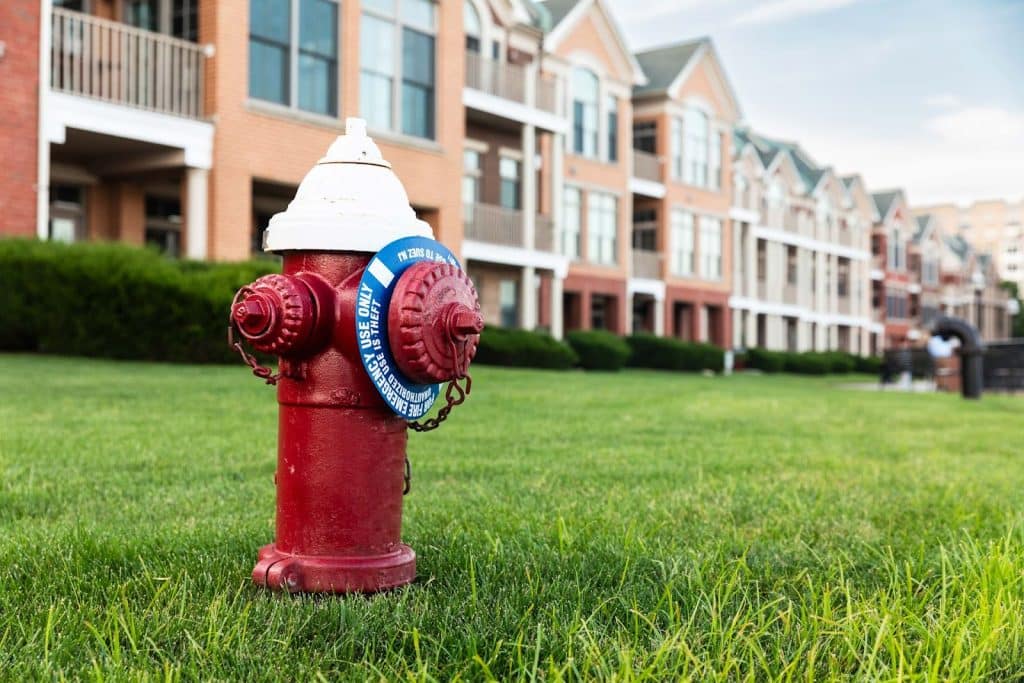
<point x="790" y="311"/>
<point x="775" y="235"/>
<point x="515" y="256"/>
<point x="564" y="27"/>
<point x="914" y="288"/>
<point x="643" y="285"/>
<point x="877" y="274"/>
<point x="647" y="188"/>
<point x="42" y="137"/>
<point x="475" y="145"/>
<point x="511" y="153"/>
<point x="742" y="215"/>
<point x="515" y="111"/>
<point x="81" y="113"/>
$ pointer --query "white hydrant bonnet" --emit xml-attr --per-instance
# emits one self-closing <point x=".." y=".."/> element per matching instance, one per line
<point x="350" y="201"/>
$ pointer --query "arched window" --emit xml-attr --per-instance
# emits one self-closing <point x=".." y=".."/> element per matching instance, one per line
<point x="695" y="148"/>
<point x="585" y="112"/>
<point x="474" y="29"/>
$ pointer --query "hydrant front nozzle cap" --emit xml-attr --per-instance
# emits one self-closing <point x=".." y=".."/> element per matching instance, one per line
<point x="350" y="200"/>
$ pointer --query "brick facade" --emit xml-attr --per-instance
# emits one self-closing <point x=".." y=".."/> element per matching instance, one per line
<point x="19" y="102"/>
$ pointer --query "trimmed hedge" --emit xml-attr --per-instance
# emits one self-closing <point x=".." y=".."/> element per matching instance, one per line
<point x="520" y="348"/>
<point x="115" y="301"/>
<point x="599" y="349"/>
<point x="810" y="362"/>
<point x="666" y="353"/>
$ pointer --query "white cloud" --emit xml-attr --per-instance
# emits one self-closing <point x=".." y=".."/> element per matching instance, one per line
<point x="962" y="155"/>
<point x="783" y="10"/>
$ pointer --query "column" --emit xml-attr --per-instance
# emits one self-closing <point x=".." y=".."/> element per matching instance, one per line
<point x="750" y="254"/>
<point x="558" y="188"/>
<point x="659" y="317"/>
<point x="196" y="212"/>
<point x="833" y="284"/>
<point x="528" y="298"/>
<point x="557" y="314"/>
<point x="529" y="186"/>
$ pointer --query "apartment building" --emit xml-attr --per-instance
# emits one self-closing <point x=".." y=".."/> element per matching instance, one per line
<point x="802" y="238"/>
<point x="994" y="226"/>
<point x="895" y="285"/>
<point x="681" y="183"/>
<point x="959" y="280"/>
<point x="186" y="124"/>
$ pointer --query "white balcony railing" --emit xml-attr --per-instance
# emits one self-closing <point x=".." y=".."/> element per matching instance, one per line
<point x="646" y="166"/>
<point x="110" y="61"/>
<point x="646" y="264"/>
<point x="510" y="82"/>
<point x="498" y="225"/>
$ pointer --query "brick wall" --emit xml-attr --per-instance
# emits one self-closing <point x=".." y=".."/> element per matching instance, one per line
<point x="19" y="102"/>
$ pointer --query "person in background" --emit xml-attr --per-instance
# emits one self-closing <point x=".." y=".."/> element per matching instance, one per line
<point x="905" y="364"/>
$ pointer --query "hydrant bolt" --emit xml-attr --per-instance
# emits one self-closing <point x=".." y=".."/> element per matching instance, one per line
<point x="463" y="322"/>
<point x="252" y="315"/>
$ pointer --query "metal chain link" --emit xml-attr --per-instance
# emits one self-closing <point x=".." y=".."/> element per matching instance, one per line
<point x="455" y="394"/>
<point x="263" y="372"/>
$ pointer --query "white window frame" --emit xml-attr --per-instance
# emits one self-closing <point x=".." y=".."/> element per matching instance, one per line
<point x="597" y="114"/>
<point x="572" y="224"/>
<point x="711" y="233"/>
<point x="683" y="255"/>
<point x="602" y="228"/>
<point x="293" y="62"/>
<point x="399" y="23"/>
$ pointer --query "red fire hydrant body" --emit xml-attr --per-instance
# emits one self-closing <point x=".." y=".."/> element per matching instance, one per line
<point x="342" y="468"/>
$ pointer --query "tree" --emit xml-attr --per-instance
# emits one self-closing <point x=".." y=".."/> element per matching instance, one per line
<point x="1017" y="328"/>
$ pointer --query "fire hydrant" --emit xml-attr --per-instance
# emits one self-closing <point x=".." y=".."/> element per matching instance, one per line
<point x="368" y="318"/>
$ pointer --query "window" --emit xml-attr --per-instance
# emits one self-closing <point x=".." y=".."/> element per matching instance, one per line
<point x="508" y="293"/>
<point x="473" y="28"/>
<point x="695" y="148"/>
<point x="601" y="310"/>
<point x="930" y="271"/>
<point x="645" y="230"/>
<point x="895" y="306"/>
<point x="715" y="162"/>
<point x="711" y="247"/>
<point x="602" y="228"/>
<point x="144" y="14"/>
<point x="67" y="213"/>
<point x="682" y="243"/>
<point x="573" y="219"/>
<point x="470" y="183"/>
<point x="645" y="137"/>
<point x="613" y="128"/>
<point x="896" y="250"/>
<point x="677" y="149"/>
<point x="791" y="265"/>
<point x="584" y="112"/>
<point x="293" y="53"/>
<point x="509" y="170"/>
<point x="163" y="225"/>
<point x="397" y="57"/>
<point x="843" y="278"/>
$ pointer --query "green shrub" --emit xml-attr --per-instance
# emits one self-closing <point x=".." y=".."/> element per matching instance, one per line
<point x="666" y="353"/>
<point x="871" y="365"/>
<point x="115" y="301"/>
<point x="520" y="348"/>
<point x="599" y="349"/>
<point x="765" y="360"/>
<point x="808" y="363"/>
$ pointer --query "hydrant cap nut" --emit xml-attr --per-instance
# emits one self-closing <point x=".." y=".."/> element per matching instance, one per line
<point x="350" y="201"/>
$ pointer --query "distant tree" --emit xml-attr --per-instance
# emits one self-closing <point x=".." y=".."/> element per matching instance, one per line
<point x="1018" y="320"/>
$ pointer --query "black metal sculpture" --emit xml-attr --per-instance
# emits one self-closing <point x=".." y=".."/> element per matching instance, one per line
<point x="972" y="352"/>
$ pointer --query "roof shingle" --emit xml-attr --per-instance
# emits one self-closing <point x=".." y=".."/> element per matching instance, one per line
<point x="661" y="65"/>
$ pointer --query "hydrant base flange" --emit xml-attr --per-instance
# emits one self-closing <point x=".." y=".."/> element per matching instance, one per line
<point x="319" y="574"/>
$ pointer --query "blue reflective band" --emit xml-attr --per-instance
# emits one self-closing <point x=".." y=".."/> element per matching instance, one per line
<point x="405" y="397"/>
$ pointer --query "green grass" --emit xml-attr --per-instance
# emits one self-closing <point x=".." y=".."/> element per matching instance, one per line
<point x="569" y="526"/>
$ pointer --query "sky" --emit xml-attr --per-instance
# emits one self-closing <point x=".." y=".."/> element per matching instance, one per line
<point x="927" y="95"/>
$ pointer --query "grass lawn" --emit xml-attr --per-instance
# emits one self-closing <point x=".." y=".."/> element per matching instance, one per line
<point x="635" y="526"/>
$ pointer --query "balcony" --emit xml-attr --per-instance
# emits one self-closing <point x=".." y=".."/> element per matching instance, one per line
<point x="501" y="226"/>
<point x="646" y="264"/>
<point x="845" y="305"/>
<point x="646" y="166"/>
<point x="514" y="83"/>
<point x="744" y="198"/>
<point x="113" y="62"/>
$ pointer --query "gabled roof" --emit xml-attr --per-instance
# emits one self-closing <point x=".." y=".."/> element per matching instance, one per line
<point x="769" y="148"/>
<point x="540" y="15"/>
<point x="559" y="9"/>
<point x="924" y="225"/>
<point x="566" y="13"/>
<point x="884" y="201"/>
<point x="663" y="64"/>
<point x="960" y="247"/>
